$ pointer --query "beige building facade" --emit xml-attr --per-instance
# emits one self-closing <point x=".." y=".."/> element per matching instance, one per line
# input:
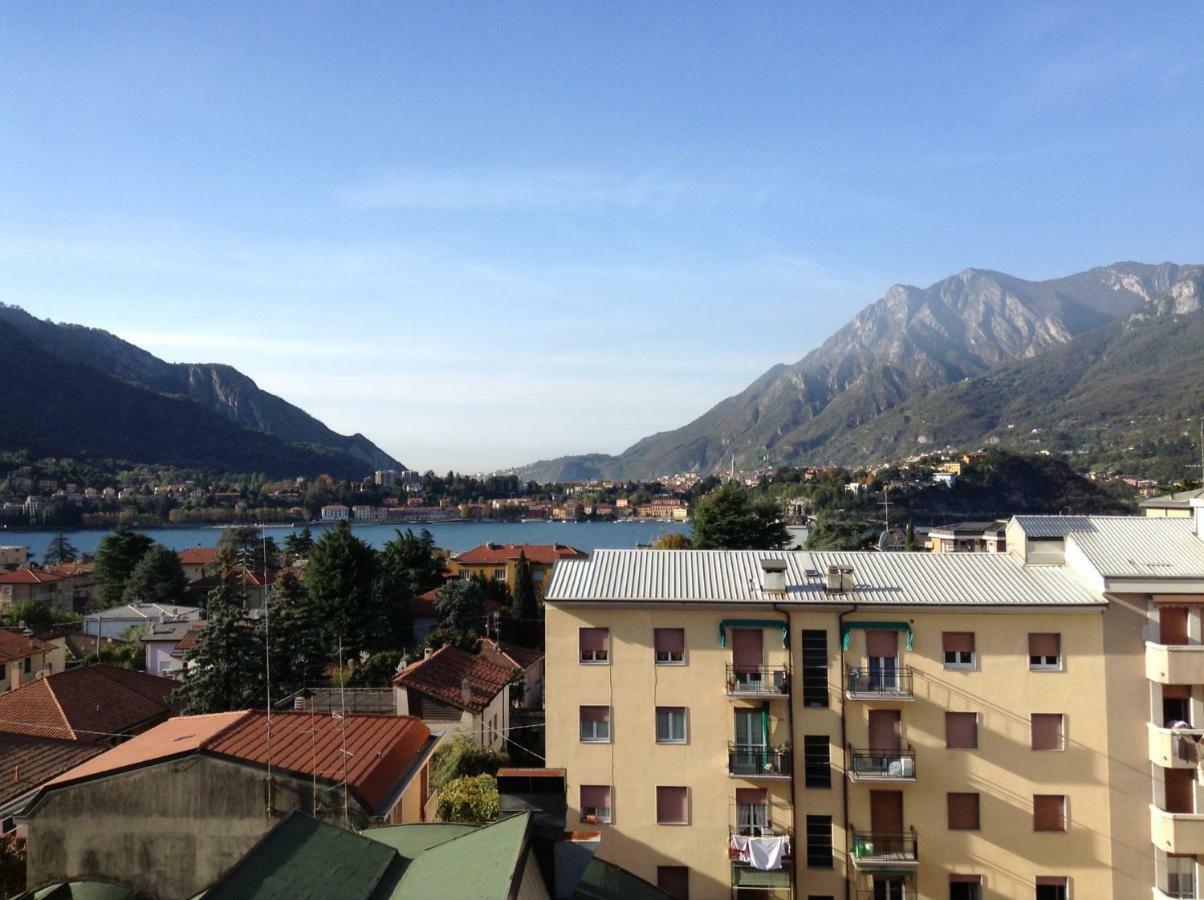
<point x="895" y="726"/>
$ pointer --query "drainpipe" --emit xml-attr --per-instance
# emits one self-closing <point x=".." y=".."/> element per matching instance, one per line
<point x="844" y="749"/>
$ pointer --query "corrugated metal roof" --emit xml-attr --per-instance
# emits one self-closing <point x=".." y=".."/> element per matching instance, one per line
<point x="1127" y="546"/>
<point x="884" y="578"/>
<point x="1052" y="526"/>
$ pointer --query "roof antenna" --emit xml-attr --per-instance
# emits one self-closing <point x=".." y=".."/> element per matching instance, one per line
<point x="343" y="734"/>
<point x="267" y="656"/>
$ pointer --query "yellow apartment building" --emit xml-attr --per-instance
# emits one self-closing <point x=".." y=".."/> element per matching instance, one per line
<point x="889" y="726"/>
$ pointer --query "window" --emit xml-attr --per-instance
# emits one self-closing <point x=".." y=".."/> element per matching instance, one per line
<point x="674" y="881"/>
<point x="595" y="803"/>
<point x="1180" y="876"/>
<point x="815" y="669"/>
<point x="1047" y="731"/>
<point x="817" y="761"/>
<point x="28" y="664"/>
<point x="595" y="645"/>
<point x="1052" y="887"/>
<point x="961" y="731"/>
<point x="670" y="724"/>
<point x="963" y="812"/>
<point x="499" y="574"/>
<point x="1045" y="652"/>
<point x="670" y="644"/>
<point x="819" y="842"/>
<point x="671" y="806"/>
<point x="595" y="724"/>
<point x="965" y="887"/>
<point x="959" y="649"/>
<point x="752" y="812"/>
<point x="1049" y="812"/>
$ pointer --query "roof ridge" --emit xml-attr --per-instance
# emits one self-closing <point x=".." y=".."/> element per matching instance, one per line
<point x="59" y="707"/>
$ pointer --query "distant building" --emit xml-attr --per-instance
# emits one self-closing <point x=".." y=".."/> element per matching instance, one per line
<point x="1171" y="506"/>
<point x="968" y="537"/>
<point x="458" y="692"/>
<point x="948" y="479"/>
<point x="23" y="658"/>
<point x="386" y="478"/>
<point x="30" y="585"/>
<point x="335" y="512"/>
<point x="162" y="643"/>
<point x="499" y="562"/>
<point x="117" y="621"/>
<point x="13" y="557"/>
<point x="198" y="562"/>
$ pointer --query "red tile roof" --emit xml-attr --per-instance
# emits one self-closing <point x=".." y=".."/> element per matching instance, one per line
<point x="381" y="749"/>
<point x="543" y="554"/>
<point x="197" y="556"/>
<point x="508" y="654"/>
<point x="26" y="763"/>
<point x="30" y="576"/>
<point x="87" y="703"/>
<point x="441" y="675"/>
<point x="14" y="645"/>
<point x="239" y="576"/>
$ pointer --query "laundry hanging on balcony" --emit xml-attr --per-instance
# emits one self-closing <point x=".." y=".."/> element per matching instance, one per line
<point x="764" y="853"/>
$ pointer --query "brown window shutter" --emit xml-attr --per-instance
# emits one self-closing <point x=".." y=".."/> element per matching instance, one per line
<point x="751" y="796"/>
<point x="595" y="638"/>
<point x="1180" y="792"/>
<point x="671" y="805"/>
<point x="1176" y="692"/>
<point x="965" y="879"/>
<point x="1172" y="625"/>
<point x="670" y="640"/>
<point x="1051" y="881"/>
<point x="963" y="812"/>
<point x="882" y="644"/>
<point x="1044" y="644"/>
<point x="595" y="714"/>
<point x="1047" y="731"/>
<point x="1049" y="812"/>
<point x="747" y="648"/>
<point x="957" y="641"/>
<point x="596" y="795"/>
<point x="961" y="730"/>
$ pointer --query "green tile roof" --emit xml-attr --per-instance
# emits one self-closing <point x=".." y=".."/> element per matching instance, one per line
<point x="413" y="840"/>
<point x="483" y="864"/>
<point x="605" y="881"/>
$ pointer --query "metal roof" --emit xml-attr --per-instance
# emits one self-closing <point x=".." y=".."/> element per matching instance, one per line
<point x="1127" y="546"/>
<point x="734" y="576"/>
<point x="1178" y="500"/>
<point x="1052" y="526"/>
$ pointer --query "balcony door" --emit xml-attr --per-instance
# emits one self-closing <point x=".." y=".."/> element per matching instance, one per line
<point x="885" y="731"/>
<point x="888" y="887"/>
<point x="748" y="653"/>
<point x="751" y="741"/>
<point x="886" y="821"/>
<point x="882" y="651"/>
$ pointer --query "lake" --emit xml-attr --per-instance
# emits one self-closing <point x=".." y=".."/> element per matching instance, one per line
<point x="454" y="536"/>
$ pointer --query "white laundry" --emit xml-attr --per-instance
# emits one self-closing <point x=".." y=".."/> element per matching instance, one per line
<point x="766" y="853"/>
<point x="740" y="845"/>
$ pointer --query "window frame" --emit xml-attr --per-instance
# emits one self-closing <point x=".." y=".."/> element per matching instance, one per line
<point x="593" y="660"/>
<point x="669" y="660"/>
<point x="597" y="819"/>
<point x="965" y="879"/>
<point x="685" y="725"/>
<point x="967" y="664"/>
<point x="1044" y="663"/>
<point x="808" y="767"/>
<point x="1065" y="817"/>
<point x="829" y="862"/>
<point x="960" y="712"/>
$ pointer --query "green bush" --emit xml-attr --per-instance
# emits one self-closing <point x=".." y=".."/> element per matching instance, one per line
<point x="463" y="758"/>
<point x="470" y="799"/>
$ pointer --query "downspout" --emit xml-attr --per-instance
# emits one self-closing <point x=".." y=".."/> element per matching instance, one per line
<point x="844" y="751"/>
<point x="790" y="731"/>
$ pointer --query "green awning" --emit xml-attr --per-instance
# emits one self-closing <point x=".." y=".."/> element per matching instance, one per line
<point x="873" y="626"/>
<point x="744" y="876"/>
<point x="753" y="623"/>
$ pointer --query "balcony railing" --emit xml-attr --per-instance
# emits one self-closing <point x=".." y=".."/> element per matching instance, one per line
<point x="886" y="765"/>
<point x="758" y="681"/>
<point x="757" y="761"/>
<point x="736" y="832"/>
<point x="1179" y="889"/>
<point x="872" y="848"/>
<point x="880" y="683"/>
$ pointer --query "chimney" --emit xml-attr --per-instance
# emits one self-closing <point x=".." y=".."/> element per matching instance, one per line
<point x="465" y="691"/>
<point x="426" y="654"/>
<point x="773" y="576"/>
<point x="839" y="580"/>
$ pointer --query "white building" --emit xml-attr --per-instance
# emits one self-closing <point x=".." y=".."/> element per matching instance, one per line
<point x="335" y="512"/>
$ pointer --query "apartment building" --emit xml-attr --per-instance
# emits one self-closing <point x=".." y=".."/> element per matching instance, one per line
<point x="891" y="726"/>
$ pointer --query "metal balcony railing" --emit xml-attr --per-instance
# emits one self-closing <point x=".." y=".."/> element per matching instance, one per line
<point x="753" y="760"/>
<point x="880" y="682"/>
<point x="759" y="681"/>
<point x="886" y="764"/>
<point x="884" y="847"/>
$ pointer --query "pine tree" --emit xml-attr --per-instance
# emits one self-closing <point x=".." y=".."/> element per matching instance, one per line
<point x="342" y="586"/>
<point x="158" y="577"/>
<point x="527" y="611"/>
<point x="59" y="551"/>
<point x="291" y="632"/>
<point x="118" y="554"/>
<point x="460" y="606"/>
<point x="225" y="671"/>
<point x="730" y="519"/>
<point x="298" y="545"/>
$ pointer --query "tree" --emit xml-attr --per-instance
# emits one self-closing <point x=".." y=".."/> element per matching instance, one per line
<point x="298" y="545"/>
<point x="672" y="540"/>
<point x="526" y="610"/>
<point x="730" y="519"/>
<point x="470" y="800"/>
<point x="292" y="635"/>
<point x="247" y="546"/>
<point x="416" y="554"/>
<point x="378" y="671"/>
<point x="158" y="577"/>
<point x="60" y="551"/>
<point x="342" y="586"/>
<point x="462" y="757"/>
<point x="909" y="538"/>
<point x="224" y="670"/>
<point x="116" y="557"/>
<point x="460" y="606"/>
<point x="35" y="615"/>
<point x="395" y="594"/>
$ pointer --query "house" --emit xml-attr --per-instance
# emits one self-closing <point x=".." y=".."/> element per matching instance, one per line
<point x="198" y="562"/>
<point x="253" y="582"/>
<point x="13" y="557"/>
<point x="80" y="647"/>
<point x="946" y="479"/>
<point x="25" y="658"/>
<point x="97" y="704"/>
<point x="512" y="656"/>
<point x="1175" y="505"/>
<point x="81" y="582"/>
<point x="968" y="537"/>
<point x="30" y="585"/>
<point x="197" y="793"/>
<point x="499" y="562"/>
<point x="28" y="763"/>
<point x="116" y="622"/>
<point x="460" y="692"/>
<point x="161" y="641"/>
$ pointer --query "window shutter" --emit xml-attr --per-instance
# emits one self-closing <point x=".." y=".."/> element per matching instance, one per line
<point x="1176" y="692"/>
<point x="1044" y="644"/>
<point x="1047" y="731"/>
<point x="751" y="796"/>
<point x="595" y="714"/>
<point x="669" y="640"/>
<point x="595" y="638"/>
<point x="965" y="879"/>
<point x="595" y="795"/>
<point x="1049" y="812"/>
<point x="1051" y="881"/>
<point x="1172" y="625"/>
<point x="958" y="641"/>
<point x="670" y="805"/>
<point x="882" y="644"/>
<point x="963" y="812"/>
<point x="1180" y="792"/>
<point x="961" y="730"/>
<point x="747" y="648"/>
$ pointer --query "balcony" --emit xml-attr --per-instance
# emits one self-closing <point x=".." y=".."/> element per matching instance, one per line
<point x="758" y="682"/>
<point x="875" y="851"/>
<point x="1175" y="748"/>
<point x="1182" y="892"/>
<point x="738" y="833"/>
<point x="879" y="684"/>
<point x="882" y="765"/>
<point x="1175" y="663"/>
<point x="765" y="884"/>
<point x="1177" y="833"/>
<point x="758" y="762"/>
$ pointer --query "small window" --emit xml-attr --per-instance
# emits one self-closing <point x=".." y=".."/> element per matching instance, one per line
<point x="670" y="724"/>
<point x="817" y="761"/>
<point x="672" y="807"/>
<point x="595" y="724"/>
<point x="1045" y="652"/>
<point x="28" y="664"/>
<point x="670" y="644"/>
<point x="959" y="649"/>
<point x="1049" y="812"/>
<point x="963" y="812"/>
<point x="595" y="645"/>
<point x="674" y="881"/>
<point x="1053" y="887"/>
<point x="819" y="842"/>
<point x="961" y="731"/>
<point x="965" y="887"/>
<point x="1047" y="732"/>
<point x="595" y="803"/>
<point x="499" y="574"/>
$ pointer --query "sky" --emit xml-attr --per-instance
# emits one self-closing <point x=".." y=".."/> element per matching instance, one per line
<point x="488" y="233"/>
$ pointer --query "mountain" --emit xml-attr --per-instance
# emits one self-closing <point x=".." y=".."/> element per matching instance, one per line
<point x="77" y="391"/>
<point x="913" y="341"/>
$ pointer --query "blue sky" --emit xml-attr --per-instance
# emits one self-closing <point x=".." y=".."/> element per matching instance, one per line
<point x="487" y="233"/>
